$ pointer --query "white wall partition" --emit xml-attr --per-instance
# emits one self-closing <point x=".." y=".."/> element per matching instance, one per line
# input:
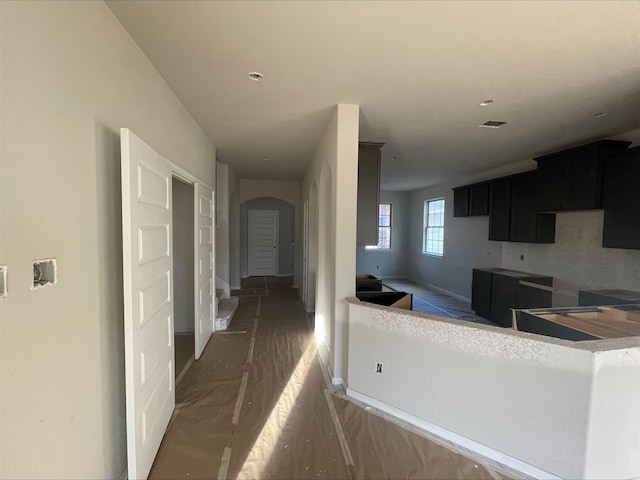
<point x="541" y="404"/>
<point x="334" y="170"/>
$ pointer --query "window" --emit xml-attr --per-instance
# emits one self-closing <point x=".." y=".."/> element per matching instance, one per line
<point x="384" y="228"/>
<point x="433" y="242"/>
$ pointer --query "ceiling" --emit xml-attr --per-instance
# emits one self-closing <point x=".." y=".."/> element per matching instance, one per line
<point x="418" y="70"/>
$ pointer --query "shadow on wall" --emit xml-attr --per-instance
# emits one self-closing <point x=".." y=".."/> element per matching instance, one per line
<point x="286" y="233"/>
<point x="109" y="220"/>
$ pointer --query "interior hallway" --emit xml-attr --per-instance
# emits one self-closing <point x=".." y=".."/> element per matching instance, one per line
<point x="259" y="405"/>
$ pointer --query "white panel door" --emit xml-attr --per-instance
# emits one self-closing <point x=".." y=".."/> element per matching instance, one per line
<point x="205" y="298"/>
<point x="148" y="300"/>
<point x="263" y="243"/>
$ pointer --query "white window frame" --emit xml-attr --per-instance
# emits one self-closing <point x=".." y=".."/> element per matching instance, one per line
<point x="377" y="247"/>
<point x="432" y="222"/>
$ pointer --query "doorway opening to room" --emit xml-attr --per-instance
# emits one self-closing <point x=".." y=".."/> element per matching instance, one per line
<point x="183" y="276"/>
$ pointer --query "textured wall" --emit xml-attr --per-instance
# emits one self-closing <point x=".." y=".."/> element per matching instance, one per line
<point x="549" y="403"/>
<point x="577" y="260"/>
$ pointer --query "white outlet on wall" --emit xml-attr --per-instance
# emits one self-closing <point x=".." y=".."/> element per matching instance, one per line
<point x="378" y="367"/>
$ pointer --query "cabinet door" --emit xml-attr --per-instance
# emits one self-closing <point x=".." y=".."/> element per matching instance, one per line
<point x="461" y="202"/>
<point x="527" y="225"/>
<point x="549" y="180"/>
<point x="503" y="299"/>
<point x="481" y="293"/>
<point x="582" y="180"/>
<point x="368" y="193"/>
<point x="622" y="201"/>
<point x="532" y="297"/>
<point x="523" y="208"/>
<point x="499" y="209"/>
<point x="479" y="199"/>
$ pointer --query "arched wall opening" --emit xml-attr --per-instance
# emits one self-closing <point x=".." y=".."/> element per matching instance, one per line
<point x="286" y="233"/>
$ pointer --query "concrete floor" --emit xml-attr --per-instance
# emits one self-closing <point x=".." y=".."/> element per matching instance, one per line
<point x="430" y="300"/>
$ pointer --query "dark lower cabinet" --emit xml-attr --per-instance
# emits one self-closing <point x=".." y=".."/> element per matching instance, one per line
<point x="481" y="293"/>
<point x="495" y="291"/>
<point x="621" y="227"/>
<point x="607" y="297"/>
<point x="504" y="291"/>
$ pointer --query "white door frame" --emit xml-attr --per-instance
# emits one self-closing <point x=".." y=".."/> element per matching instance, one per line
<point x="135" y="468"/>
<point x="185" y="176"/>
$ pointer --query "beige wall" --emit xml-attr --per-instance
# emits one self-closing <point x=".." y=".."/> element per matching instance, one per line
<point x="566" y="408"/>
<point x="334" y="170"/>
<point x="223" y="254"/>
<point x="183" y="274"/>
<point x="394" y="263"/>
<point x="289" y="191"/>
<point x="71" y="77"/>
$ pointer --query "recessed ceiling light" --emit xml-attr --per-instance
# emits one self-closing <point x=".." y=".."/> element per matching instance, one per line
<point x="484" y="103"/>
<point x="393" y="158"/>
<point x="492" y="124"/>
<point x="601" y="114"/>
<point x="266" y="159"/>
<point x="256" y="76"/>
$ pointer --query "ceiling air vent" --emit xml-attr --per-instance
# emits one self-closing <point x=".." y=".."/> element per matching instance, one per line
<point x="492" y="124"/>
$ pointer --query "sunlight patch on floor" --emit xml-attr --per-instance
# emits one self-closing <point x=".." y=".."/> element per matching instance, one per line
<point x="269" y="436"/>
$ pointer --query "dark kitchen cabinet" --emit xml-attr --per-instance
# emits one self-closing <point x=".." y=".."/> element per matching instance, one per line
<point x="368" y="193"/>
<point x="499" y="209"/>
<point x="461" y="202"/>
<point x="481" y="293"/>
<point x="495" y="291"/>
<point x="513" y="211"/>
<point x="471" y="200"/>
<point x="527" y="224"/>
<point x="479" y="199"/>
<point x="573" y="179"/>
<point x="607" y="297"/>
<point x="621" y="227"/>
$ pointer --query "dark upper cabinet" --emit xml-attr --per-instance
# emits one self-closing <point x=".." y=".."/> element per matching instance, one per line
<point x="368" y="193"/>
<point x="461" y="202"/>
<point x="622" y="200"/>
<point x="527" y="224"/>
<point x="513" y="211"/>
<point x="471" y="200"/>
<point x="499" y="209"/>
<point x="573" y="179"/>
<point x="479" y="199"/>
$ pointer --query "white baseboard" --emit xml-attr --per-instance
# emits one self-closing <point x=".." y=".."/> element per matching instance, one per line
<point x="464" y="442"/>
<point x="442" y="290"/>
<point x="337" y="380"/>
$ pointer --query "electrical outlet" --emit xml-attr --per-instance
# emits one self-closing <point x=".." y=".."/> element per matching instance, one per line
<point x="378" y="367"/>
